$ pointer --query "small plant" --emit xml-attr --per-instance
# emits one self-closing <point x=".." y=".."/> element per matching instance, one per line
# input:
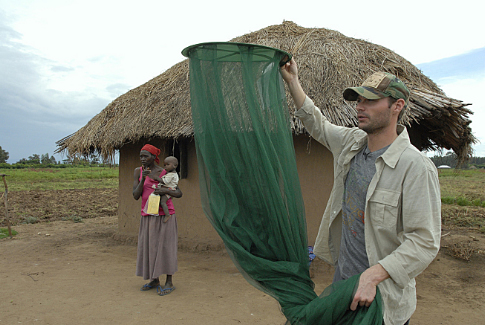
<point x="477" y="203"/>
<point x="448" y="200"/>
<point x="72" y="218"/>
<point x="463" y="201"/>
<point x="31" y="220"/>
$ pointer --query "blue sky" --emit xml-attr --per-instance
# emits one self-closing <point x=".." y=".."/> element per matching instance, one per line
<point x="63" y="61"/>
<point x="470" y="65"/>
<point x="463" y="77"/>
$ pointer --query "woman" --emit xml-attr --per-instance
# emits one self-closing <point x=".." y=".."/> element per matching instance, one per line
<point x="157" y="240"/>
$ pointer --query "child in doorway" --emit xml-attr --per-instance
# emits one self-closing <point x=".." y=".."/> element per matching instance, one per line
<point x="170" y="180"/>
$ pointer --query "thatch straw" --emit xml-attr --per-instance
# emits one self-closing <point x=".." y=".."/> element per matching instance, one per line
<point x="328" y="63"/>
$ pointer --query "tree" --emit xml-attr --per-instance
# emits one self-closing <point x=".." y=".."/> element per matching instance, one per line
<point x="34" y="159"/>
<point x="45" y="160"/>
<point x="3" y="155"/>
<point x="449" y="159"/>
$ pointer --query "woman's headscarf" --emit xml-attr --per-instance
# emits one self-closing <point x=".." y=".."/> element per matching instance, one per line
<point x="153" y="150"/>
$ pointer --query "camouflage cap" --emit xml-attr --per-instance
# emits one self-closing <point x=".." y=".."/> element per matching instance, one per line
<point x="379" y="85"/>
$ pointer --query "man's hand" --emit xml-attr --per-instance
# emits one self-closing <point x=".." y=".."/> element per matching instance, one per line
<point x="289" y="72"/>
<point x="366" y="292"/>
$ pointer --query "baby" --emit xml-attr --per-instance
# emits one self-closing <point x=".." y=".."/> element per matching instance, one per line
<point x="169" y="180"/>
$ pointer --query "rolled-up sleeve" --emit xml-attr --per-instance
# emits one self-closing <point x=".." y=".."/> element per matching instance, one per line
<point x="317" y="125"/>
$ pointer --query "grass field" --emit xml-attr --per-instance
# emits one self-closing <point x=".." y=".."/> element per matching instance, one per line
<point x="462" y="191"/>
<point x="61" y="179"/>
<point x="463" y="198"/>
<point x="463" y="187"/>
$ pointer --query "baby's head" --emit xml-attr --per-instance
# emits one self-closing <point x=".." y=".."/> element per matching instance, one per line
<point x="170" y="163"/>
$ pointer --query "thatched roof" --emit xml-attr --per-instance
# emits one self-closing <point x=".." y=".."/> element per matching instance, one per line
<point x="328" y="63"/>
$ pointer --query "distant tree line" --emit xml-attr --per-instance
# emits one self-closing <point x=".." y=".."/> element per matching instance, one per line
<point x="38" y="160"/>
<point x="42" y="161"/>
<point x="451" y="159"/>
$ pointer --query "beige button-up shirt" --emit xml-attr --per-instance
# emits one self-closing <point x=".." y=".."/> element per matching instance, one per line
<point x="402" y="213"/>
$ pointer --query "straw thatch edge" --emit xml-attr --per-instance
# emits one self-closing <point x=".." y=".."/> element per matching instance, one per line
<point x="328" y="62"/>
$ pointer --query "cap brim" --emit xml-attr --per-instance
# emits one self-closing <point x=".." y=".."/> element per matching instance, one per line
<point x="352" y="93"/>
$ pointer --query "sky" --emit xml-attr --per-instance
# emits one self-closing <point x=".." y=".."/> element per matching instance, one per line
<point x="63" y="61"/>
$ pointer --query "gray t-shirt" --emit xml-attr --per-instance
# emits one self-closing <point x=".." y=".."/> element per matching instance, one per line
<point x="353" y="257"/>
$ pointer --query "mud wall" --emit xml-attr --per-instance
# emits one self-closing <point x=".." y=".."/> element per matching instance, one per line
<point x="315" y="170"/>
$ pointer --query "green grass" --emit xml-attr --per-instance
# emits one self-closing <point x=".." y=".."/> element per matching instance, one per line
<point x="461" y="201"/>
<point x="463" y="198"/>
<point x="4" y="233"/>
<point x="61" y="179"/>
<point x="463" y="187"/>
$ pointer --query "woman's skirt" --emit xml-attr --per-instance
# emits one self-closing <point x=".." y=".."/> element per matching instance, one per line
<point x="157" y="247"/>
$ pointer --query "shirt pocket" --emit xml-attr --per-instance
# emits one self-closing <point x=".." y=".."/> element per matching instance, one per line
<point x="384" y="207"/>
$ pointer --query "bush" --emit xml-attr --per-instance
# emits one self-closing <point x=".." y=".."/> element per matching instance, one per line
<point x="31" y="220"/>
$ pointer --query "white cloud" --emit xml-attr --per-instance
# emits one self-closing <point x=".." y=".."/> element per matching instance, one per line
<point x="471" y="91"/>
<point x="69" y="59"/>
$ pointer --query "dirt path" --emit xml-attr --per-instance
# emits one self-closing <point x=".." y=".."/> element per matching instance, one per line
<point x="76" y="273"/>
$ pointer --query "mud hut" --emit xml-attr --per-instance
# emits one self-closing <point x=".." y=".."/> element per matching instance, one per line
<point x="158" y="112"/>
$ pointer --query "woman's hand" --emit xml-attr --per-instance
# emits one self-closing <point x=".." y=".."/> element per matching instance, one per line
<point x="146" y="171"/>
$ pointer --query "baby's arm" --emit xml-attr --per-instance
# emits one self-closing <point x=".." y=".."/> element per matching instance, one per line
<point x="158" y="179"/>
<point x="164" y="190"/>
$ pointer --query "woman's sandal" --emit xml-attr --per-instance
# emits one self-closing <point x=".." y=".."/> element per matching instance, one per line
<point x="163" y="292"/>
<point x="150" y="285"/>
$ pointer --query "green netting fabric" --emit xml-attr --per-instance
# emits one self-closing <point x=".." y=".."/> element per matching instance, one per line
<point x="249" y="183"/>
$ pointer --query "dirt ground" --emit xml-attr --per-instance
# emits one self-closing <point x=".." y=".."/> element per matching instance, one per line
<point x="62" y="272"/>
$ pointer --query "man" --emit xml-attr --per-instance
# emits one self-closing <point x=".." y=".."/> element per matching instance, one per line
<point x="383" y="217"/>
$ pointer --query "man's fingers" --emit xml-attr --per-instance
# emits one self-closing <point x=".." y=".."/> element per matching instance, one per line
<point x="357" y="302"/>
<point x="353" y="305"/>
<point x="284" y="61"/>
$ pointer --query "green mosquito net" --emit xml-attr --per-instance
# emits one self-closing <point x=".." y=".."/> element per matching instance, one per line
<point x="249" y="183"/>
